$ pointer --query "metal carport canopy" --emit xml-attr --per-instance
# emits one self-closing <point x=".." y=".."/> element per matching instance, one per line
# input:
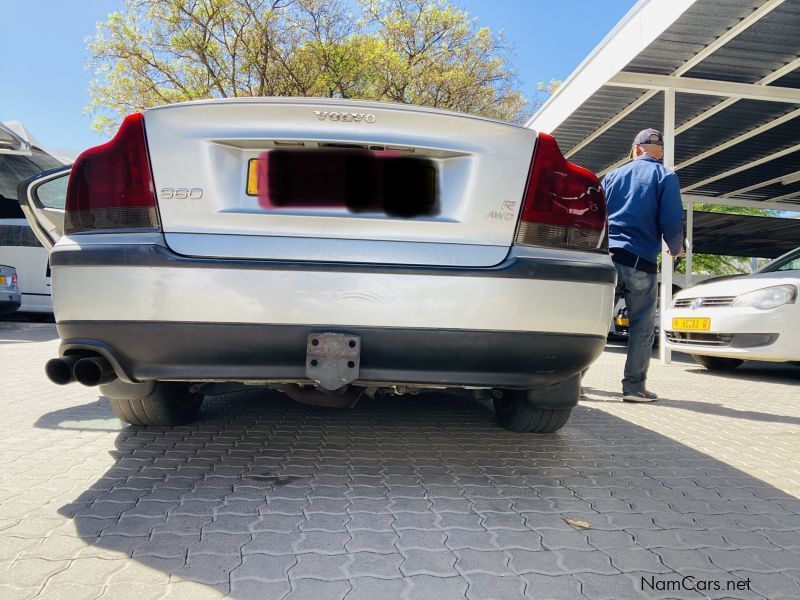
<point x="721" y="78"/>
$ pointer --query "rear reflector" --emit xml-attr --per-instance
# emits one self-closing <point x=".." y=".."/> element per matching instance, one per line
<point x="111" y="186"/>
<point x="564" y="204"/>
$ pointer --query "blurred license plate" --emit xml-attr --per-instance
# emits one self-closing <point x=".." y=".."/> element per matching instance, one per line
<point x="2" y="279"/>
<point x="693" y="324"/>
<point x="360" y="181"/>
<point x="623" y="321"/>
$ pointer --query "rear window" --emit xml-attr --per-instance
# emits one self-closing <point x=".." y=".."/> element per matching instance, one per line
<point x="14" y="169"/>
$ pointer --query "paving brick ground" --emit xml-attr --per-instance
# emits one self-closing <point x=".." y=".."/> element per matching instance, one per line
<point x="407" y="498"/>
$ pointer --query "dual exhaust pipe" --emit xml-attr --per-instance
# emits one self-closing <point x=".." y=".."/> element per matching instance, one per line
<point x="90" y="371"/>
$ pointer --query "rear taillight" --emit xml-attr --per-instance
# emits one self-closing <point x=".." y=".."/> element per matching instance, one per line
<point x="564" y="204"/>
<point x="111" y="186"/>
<point x="13" y="280"/>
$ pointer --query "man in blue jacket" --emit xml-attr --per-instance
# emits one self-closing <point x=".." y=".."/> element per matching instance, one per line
<point x="644" y="205"/>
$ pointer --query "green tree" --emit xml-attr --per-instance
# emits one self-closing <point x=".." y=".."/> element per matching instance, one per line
<point x="425" y="52"/>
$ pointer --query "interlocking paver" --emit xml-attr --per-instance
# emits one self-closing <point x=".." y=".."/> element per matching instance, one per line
<point x="421" y="540"/>
<point x="401" y="498"/>
<point x="591" y="561"/>
<point x="558" y="587"/>
<point x="474" y="540"/>
<point x="328" y="567"/>
<point x="264" y="567"/>
<point x="370" y="588"/>
<point x="254" y="589"/>
<point x="423" y="521"/>
<point x="322" y="542"/>
<point x="324" y="522"/>
<point x="131" y="591"/>
<point x="425" y="587"/>
<point x="30" y="571"/>
<point x="630" y="560"/>
<point x="565" y="540"/>
<point x="477" y="561"/>
<point x="429" y="562"/>
<point x="268" y="542"/>
<point x="492" y="587"/>
<point x="372" y="564"/>
<point x="774" y="586"/>
<point x="314" y="589"/>
<point x="372" y="541"/>
<point x="223" y="544"/>
<point x="371" y="522"/>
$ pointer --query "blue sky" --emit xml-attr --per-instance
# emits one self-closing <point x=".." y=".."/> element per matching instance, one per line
<point x="43" y="53"/>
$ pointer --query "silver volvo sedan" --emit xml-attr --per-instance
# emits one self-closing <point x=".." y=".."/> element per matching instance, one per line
<point x="327" y="248"/>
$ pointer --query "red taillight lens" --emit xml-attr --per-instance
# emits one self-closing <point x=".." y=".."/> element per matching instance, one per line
<point x="564" y="205"/>
<point x="13" y="279"/>
<point x="111" y="186"/>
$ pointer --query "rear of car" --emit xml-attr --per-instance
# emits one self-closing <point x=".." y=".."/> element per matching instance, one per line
<point x="753" y="317"/>
<point x="10" y="298"/>
<point x="334" y="244"/>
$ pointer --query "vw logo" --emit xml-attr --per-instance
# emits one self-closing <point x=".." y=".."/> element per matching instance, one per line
<point x="696" y="303"/>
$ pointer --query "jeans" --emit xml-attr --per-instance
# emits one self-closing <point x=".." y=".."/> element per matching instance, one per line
<point x="640" y="290"/>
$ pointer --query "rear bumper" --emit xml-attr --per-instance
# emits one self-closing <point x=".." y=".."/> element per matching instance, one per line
<point x="274" y="353"/>
<point x="569" y="293"/>
<point x="529" y="322"/>
<point x="9" y="305"/>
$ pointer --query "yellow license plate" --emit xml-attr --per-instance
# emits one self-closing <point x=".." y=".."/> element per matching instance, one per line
<point x="2" y="279"/>
<point x="254" y="184"/>
<point x="622" y="321"/>
<point x="691" y="324"/>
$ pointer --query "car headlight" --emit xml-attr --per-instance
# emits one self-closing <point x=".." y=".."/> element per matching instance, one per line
<point x="771" y="297"/>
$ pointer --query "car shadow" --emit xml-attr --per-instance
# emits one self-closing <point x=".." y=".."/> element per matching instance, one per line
<point x="754" y="370"/>
<point x="261" y="480"/>
<point x="12" y="332"/>
<point x="601" y="396"/>
<point x="622" y="348"/>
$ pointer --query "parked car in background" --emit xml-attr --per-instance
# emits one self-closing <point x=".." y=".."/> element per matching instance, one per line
<point x="327" y="247"/>
<point x="752" y="317"/>
<point x="620" y="324"/>
<point x="19" y="247"/>
<point x="9" y="292"/>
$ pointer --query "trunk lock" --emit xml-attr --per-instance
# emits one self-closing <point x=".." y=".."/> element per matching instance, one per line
<point x="333" y="359"/>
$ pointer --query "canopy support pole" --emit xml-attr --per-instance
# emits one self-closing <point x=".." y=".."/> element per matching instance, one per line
<point x="667" y="260"/>
<point x="689" y="241"/>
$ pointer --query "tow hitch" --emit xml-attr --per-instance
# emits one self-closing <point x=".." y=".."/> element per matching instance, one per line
<point x="333" y="359"/>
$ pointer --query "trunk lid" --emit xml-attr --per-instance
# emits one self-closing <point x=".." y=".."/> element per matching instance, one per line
<point x="201" y="154"/>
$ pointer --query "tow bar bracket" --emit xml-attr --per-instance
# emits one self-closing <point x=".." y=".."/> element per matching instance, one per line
<point x="333" y="359"/>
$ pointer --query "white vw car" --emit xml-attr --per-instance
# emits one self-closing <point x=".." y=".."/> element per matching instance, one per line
<point x="326" y="248"/>
<point x="754" y="317"/>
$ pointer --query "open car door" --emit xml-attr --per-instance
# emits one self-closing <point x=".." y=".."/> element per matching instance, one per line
<point x="42" y="198"/>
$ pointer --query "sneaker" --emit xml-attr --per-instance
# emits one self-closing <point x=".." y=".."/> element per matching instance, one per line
<point x="644" y="396"/>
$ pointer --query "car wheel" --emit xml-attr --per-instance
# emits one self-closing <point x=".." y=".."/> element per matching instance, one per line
<point x="716" y="363"/>
<point x="167" y="405"/>
<point x="516" y="413"/>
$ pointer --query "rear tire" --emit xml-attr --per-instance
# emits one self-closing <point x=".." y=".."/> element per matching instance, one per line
<point x="717" y="363"/>
<point x="168" y="404"/>
<point x="516" y="413"/>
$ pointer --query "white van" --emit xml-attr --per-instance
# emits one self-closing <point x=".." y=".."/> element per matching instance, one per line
<point x="19" y="247"/>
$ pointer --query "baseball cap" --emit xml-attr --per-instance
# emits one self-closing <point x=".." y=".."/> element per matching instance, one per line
<point x="647" y="136"/>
